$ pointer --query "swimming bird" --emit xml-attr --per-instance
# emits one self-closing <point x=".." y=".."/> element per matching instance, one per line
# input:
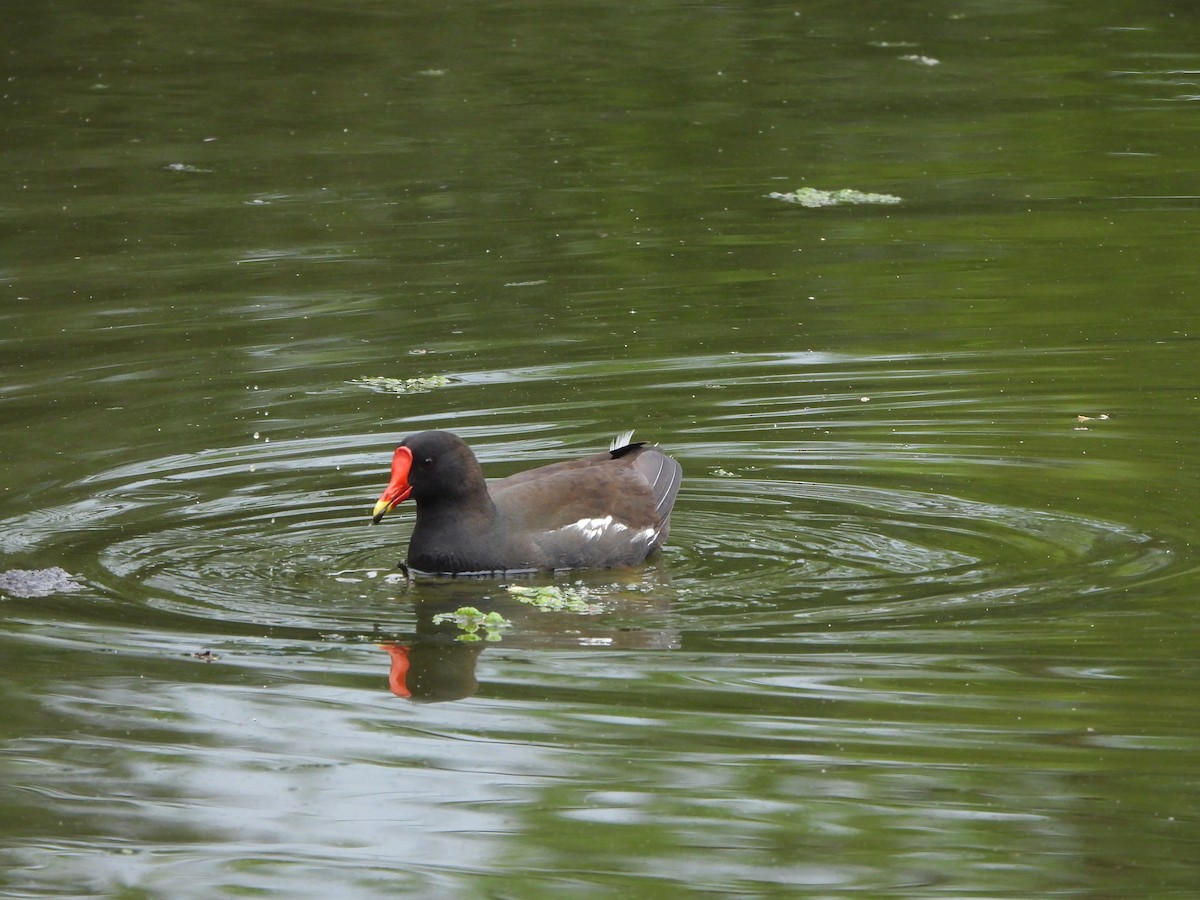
<point x="611" y="509"/>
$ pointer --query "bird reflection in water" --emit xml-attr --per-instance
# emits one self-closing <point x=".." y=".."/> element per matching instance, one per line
<point x="435" y="665"/>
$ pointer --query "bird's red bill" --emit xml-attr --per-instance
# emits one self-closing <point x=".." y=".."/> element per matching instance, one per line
<point x="398" y="488"/>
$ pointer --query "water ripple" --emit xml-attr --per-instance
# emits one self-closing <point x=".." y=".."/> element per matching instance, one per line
<point x="822" y="530"/>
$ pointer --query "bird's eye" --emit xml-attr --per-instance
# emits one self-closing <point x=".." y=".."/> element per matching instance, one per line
<point x="427" y="462"/>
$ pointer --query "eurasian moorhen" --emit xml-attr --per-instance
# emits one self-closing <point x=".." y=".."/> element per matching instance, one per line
<point x="613" y="509"/>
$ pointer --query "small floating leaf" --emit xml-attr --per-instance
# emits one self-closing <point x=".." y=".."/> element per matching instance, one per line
<point x="468" y="620"/>
<point x="554" y="599"/>
<point x="384" y="385"/>
<point x="814" y="198"/>
<point x="1081" y="419"/>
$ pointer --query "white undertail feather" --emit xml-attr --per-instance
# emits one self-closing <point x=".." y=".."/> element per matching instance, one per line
<point x="624" y="439"/>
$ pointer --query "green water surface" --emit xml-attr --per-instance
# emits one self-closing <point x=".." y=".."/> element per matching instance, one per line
<point x="927" y="622"/>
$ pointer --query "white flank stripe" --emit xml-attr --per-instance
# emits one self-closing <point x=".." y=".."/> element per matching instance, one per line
<point x="646" y="535"/>
<point x="593" y="528"/>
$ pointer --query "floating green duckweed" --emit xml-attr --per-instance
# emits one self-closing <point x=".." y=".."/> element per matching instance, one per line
<point x="814" y="199"/>
<point x="384" y="385"/>
<point x="555" y="599"/>
<point x="470" y="620"/>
